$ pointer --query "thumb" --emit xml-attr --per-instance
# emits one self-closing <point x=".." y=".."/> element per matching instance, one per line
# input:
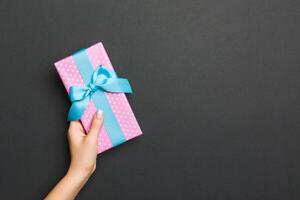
<point x="96" y="125"/>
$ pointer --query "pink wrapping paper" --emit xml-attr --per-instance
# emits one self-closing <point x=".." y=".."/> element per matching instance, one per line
<point x="70" y="76"/>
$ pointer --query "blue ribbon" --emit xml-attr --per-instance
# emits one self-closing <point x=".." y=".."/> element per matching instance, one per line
<point x="103" y="79"/>
<point x="96" y="84"/>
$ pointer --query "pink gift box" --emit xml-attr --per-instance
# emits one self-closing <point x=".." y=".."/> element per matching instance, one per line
<point x="71" y="76"/>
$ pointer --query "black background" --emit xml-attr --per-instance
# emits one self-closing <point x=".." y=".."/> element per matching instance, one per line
<point x="216" y="92"/>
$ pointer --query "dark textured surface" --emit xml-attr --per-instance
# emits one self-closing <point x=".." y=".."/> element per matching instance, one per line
<point x="216" y="92"/>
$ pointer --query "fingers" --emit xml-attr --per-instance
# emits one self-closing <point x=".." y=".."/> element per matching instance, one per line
<point x="75" y="129"/>
<point x="96" y="125"/>
<point x="75" y="132"/>
<point x="75" y="125"/>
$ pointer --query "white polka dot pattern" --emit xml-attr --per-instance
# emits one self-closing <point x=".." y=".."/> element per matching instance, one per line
<point x="118" y="102"/>
<point x="104" y="142"/>
<point x="68" y="73"/>
<point x="71" y="76"/>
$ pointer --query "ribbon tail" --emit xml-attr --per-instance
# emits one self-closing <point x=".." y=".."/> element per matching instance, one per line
<point x="77" y="109"/>
<point x="117" y="85"/>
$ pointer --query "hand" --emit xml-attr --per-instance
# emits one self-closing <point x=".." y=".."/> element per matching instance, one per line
<point x="83" y="149"/>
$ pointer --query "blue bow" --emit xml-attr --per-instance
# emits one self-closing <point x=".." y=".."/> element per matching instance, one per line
<point x="102" y="80"/>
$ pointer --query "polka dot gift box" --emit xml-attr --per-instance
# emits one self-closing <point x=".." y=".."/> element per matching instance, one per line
<point x="92" y="84"/>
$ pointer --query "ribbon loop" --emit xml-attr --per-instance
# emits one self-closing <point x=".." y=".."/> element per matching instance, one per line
<point x="102" y="79"/>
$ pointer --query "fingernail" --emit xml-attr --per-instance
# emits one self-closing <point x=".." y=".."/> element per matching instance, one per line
<point x="99" y="114"/>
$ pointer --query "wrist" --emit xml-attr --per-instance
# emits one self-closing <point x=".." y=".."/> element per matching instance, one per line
<point x="79" y="173"/>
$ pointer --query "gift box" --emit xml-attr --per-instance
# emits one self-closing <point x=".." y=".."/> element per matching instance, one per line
<point x="92" y="84"/>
